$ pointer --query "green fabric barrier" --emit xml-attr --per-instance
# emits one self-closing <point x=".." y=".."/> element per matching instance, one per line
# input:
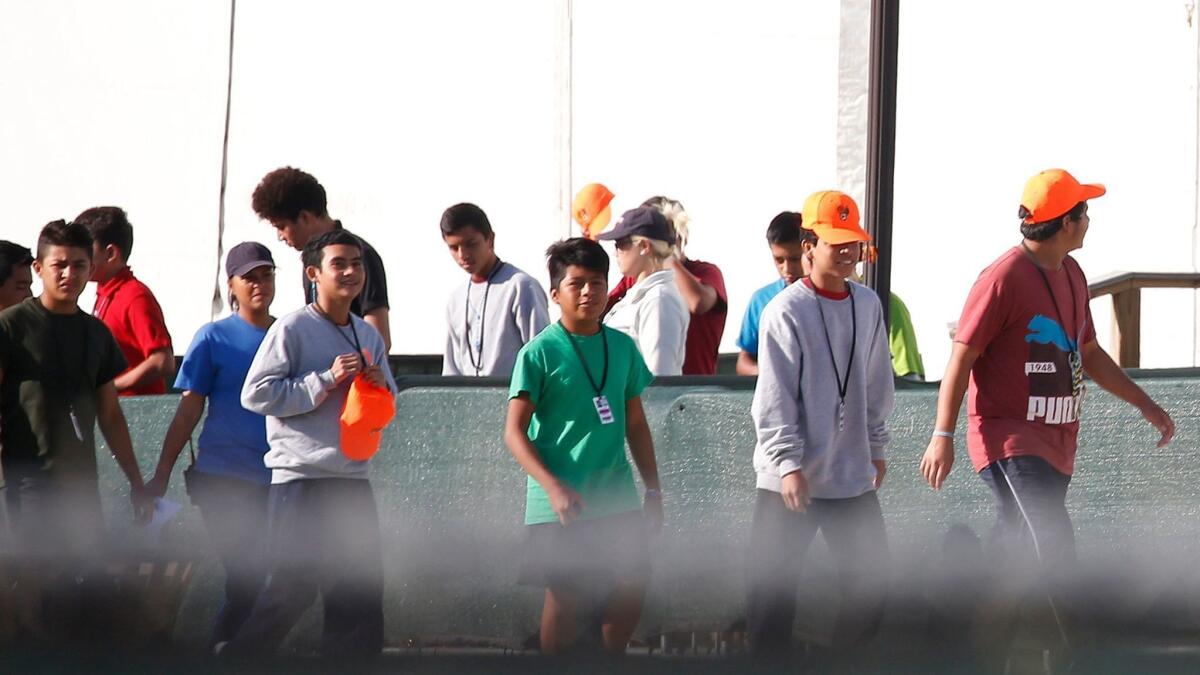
<point x="451" y="503"/>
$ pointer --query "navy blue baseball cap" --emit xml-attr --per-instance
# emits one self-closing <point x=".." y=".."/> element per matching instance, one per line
<point x="644" y="221"/>
<point x="247" y="256"/>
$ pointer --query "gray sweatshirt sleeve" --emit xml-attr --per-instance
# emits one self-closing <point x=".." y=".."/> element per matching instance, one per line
<point x="532" y="312"/>
<point x="777" y="407"/>
<point x="270" y="389"/>
<point x="880" y="389"/>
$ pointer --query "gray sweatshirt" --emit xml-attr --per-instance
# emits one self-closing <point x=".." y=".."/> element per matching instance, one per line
<point x="516" y="312"/>
<point x="290" y="382"/>
<point x="796" y="400"/>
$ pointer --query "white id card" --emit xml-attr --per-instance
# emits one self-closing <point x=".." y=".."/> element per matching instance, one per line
<point x="603" y="410"/>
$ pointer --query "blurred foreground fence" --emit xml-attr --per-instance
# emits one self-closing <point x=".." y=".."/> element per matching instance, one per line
<point x="451" y="503"/>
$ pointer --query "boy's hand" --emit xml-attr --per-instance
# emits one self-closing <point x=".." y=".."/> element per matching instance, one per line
<point x="345" y="367"/>
<point x="652" y="508"/>
<point x="795" y="492"/>
<point x="375" y="376"/>
<point x="880" y="471"/>
<point x="143" y="504"/>
<point x="938" y="459"/>
<point x="567" y="503"/>
<point x="1160" y="420"/>
<point x="157" y="486"/>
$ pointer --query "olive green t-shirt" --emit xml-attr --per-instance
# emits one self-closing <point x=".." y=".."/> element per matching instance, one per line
<point x="52" y="365"/>
<point x="566" y="428"/>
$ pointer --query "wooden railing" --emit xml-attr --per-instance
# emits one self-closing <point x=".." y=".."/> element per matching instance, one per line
<point x="1126" y="291"/>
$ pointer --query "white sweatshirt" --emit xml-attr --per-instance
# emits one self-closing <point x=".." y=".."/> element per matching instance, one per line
<point x="795" y="406"/>
<point x="654" y="314"/>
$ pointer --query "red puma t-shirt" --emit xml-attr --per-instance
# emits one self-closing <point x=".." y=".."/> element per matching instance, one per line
<point x="1020" y="399"/>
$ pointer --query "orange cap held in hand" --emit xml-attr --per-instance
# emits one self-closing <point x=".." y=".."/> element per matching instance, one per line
<point x="367" y="411"/>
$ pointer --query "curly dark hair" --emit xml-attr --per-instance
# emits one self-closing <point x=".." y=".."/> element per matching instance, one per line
<point x="285" y="192"/>
<point x="108" y="225"/>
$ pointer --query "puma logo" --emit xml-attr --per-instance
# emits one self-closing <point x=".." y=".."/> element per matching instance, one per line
<point x="1045" y="331"/>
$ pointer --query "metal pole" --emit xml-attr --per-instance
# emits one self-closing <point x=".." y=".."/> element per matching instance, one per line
<point x="881" y="143"/>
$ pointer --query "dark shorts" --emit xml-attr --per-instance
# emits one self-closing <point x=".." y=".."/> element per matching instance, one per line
<point x="587" y="553"/>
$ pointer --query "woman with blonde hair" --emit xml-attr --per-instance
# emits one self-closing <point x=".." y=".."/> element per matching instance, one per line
<point x="652" y="312"/>
<point x="700" y="284"/>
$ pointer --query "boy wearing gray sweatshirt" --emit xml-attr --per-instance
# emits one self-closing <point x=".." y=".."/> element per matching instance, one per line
<point x="323" y="530"/>
<point x="498" y="311"/>
<point x="820" y="412"/>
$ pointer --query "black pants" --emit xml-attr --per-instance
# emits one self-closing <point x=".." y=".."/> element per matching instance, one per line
<point x="54" y="516"/>
<point x="235" y="516"/>
<point x="854" y="530"/>
<point x="323" y="538"/>
<point x="1031" y="549"/>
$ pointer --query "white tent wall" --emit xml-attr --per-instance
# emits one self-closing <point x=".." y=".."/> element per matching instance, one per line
<point x="990" y="93"/>
<point x="402" y="109"/>
<point x="118" y="103"/>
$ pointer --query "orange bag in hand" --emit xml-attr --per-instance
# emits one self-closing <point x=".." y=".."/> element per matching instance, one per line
<point x="368" y="410"/>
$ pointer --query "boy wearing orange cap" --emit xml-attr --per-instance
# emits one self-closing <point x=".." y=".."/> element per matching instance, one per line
<point x="820" y="455"/>
<point x="1024" y="342"/>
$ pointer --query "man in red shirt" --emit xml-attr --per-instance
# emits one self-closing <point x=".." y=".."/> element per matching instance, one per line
<point x="703" y="289"/>
<point x="1023" y="344"/>
<point x="127" y="306"/>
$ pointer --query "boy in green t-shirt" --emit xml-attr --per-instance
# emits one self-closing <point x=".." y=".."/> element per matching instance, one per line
<point x="573" y="402"/>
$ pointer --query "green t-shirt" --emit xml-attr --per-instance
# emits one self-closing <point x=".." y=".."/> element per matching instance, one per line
<point x="583" y="453"/>
<point x="53" y="365"/>
<point x="906" y="358"/>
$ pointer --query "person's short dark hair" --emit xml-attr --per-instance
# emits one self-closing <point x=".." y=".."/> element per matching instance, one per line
<point x="62" y="233"/>
<point x="285" y="192"/>
<point x="12" y="256"/>
<point x="577" y="251"/>
<point x="464" y="215"/>
<point x="109" y="226"/>
<point x="785" y="229"/>
<point x="1048" y="228"/>
<point x="314" y="250"/>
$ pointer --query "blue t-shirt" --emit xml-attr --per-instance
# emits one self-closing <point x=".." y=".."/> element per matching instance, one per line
<point x="234" y="439"/>
<point x="748" y="339"/>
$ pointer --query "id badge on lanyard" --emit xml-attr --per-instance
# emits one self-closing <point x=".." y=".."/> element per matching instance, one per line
<point x="603" y="410"/>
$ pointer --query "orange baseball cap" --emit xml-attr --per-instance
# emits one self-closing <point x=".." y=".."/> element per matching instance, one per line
<point x="591" y="209"/>
<point x="833" y="217"/>
<point x="1053" y="192"/>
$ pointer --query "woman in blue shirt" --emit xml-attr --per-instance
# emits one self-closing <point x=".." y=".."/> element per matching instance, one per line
<point x="227" y="479"/>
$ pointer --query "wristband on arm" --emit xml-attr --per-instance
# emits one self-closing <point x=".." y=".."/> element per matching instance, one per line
<point x="943" y="434"/>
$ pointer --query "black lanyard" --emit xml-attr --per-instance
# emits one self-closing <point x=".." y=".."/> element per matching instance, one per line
<point x="354" y="331"/>
<point x="1050" y="290"/>
<point x="842" y="383"/>
<point x="578" y="352"/>
<point x="482" y="318"/>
